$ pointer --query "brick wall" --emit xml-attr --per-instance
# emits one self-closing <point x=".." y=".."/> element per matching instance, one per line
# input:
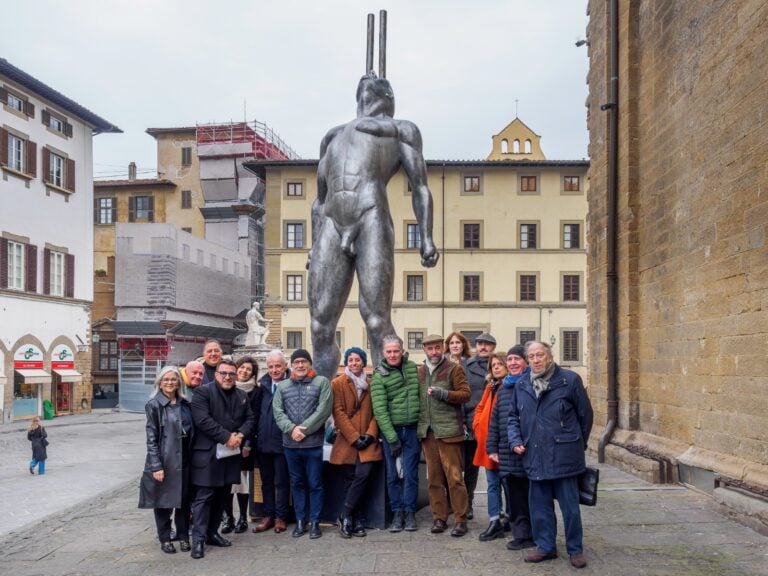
<point x="693" y="208"/>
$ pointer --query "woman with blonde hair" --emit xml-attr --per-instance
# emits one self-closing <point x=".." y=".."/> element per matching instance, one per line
<point x="39" y="438"/>
<point x="165" y="482"/>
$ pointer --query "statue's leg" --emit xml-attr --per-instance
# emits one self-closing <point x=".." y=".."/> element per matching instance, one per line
<point x="330" y="280"/>
<point x="375" y="265"/>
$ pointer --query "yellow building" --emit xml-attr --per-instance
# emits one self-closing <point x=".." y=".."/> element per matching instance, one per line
<point x="510" y="231"/>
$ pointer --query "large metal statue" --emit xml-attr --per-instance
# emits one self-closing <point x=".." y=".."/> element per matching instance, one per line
<point x="352" y="227"/>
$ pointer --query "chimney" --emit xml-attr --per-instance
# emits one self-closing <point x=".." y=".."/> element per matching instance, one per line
<point x="132" y="171"/>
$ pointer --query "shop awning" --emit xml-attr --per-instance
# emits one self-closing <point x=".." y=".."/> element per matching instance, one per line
<point x="34" y="376"/>
<point x="68" y="375"/>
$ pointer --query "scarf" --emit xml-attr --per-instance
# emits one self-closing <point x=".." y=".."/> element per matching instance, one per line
<point x="246" y="386"/>
<point x="510" y="379"/>
<point x="360" y="382"/>
<point x="540" y="382"/>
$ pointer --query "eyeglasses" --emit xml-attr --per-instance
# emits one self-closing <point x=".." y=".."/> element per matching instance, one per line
<point x="227" y="374"/>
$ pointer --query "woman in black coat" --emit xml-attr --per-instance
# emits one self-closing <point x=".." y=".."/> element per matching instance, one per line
<point x="165" y="482"/>
<point x="39" y="438"/>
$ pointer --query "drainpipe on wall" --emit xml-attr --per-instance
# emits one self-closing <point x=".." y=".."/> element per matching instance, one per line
<point x="611" y="277"/>
<point x="442" y="247"/>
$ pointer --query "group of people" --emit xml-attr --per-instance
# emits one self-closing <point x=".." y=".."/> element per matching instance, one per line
<point x="520" y="416"/>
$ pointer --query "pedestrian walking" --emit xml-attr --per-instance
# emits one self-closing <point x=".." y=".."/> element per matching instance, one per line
<point x="39" y="438"/>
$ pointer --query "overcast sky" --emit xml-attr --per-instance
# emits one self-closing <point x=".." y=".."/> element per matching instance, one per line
<point x="457" y="67"/>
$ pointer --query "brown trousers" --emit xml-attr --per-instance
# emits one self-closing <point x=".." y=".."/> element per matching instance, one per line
<point x="445" y="466"/>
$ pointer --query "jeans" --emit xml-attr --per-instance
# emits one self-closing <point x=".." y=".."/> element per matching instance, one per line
<point x="541" y="497"/>
<point x="403" y="493"/>
<point x="494" y="493"/>
<point x="40" y="465"/>
<point x="305" y="467"/>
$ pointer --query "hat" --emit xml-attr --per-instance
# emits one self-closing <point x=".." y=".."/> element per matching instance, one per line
<point x="301" y="353"/>
<point x="431" y="339"/>
<point x="355" y="350"/>
<point x="486" y="337"/>
<point x="517" y="350"/>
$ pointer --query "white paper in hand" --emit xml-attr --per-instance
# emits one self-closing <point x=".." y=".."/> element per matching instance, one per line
<point x="399" y="466"/>
<point x="223" y="451"/>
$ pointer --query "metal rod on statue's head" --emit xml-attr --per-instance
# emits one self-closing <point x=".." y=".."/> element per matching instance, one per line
<point x="369" y="48"/>
<point x="382" y="43"/>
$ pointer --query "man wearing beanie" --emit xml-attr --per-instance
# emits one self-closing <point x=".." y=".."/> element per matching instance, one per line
<point x="302" y="404"/>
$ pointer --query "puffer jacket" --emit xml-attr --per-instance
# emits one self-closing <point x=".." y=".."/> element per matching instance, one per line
<point x="554" y="428"/>
<point x="303" y="402"/>
<point x="498" y="439"/>
<point x="395" y="395"/>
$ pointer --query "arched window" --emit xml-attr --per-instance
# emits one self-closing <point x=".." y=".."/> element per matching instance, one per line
<point x="527" y="146"/>
<point x="516" y="146"/>
<point x="505" y="146"/>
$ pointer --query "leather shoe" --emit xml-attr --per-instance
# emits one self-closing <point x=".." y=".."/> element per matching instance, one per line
<point x="314" y="530"/>
<point x="184" y="546"/>
<point x="280" y="526"/>
<point x="494" y="530"/>
<point x="345" y="526"/>
<point x="168" y="547"/>
<point x="218" y="540"/>
<point x="438" y="526"/>
<point x="265" y="524"/>
<point x="410" y="522"/>
<point x="459" y="529"/>
<point x="198" y="549"/>
<point x="228" y="524"/>
<point x="578" y="560"/>
<point x="241" y="526"/>
<point x="520" y="544"/>
<point x="301" y="528"/>
<point x="359" y="528"/>
<point x="537" y="556"/>
<point x="398" y="522"/>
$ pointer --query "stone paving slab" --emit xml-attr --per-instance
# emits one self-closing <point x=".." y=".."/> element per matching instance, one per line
<point x="96" y="529"/>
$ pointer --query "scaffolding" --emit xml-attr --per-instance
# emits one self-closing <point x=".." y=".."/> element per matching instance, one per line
<point x="262" y="142"/>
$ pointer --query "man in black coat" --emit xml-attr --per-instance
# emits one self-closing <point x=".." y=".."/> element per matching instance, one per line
<point x="223" y="418"/>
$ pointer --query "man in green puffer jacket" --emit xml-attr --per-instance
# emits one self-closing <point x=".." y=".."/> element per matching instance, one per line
<point x="395" y="396"/>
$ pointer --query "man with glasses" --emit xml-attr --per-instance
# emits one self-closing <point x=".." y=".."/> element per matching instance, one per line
<point x="223" y="418"/>
<point x="549" y="424"/>
<point x="302" y="404"/>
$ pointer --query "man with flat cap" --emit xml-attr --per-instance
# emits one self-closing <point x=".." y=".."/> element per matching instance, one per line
<point x="302" y="404"/>
<point x="443" y="389"/>
<point x="477" y="370"/>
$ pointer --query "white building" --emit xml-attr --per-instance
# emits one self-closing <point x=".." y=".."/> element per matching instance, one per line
<point x="46" y="246"/>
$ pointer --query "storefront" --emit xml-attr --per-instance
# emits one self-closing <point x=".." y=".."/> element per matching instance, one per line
<point x="29" y="380"/>
<point x="64" y="378"/>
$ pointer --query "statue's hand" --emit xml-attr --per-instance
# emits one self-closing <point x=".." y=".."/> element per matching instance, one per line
<point x="429" y="254"/>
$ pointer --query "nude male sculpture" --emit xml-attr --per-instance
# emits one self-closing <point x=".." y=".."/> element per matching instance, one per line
<point x="352" y="228"/>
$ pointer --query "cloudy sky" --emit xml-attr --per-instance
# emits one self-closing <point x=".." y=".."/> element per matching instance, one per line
<point x="460" y="69"/>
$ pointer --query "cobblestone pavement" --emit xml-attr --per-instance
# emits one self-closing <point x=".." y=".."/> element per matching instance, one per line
<point x="91" y="526"/>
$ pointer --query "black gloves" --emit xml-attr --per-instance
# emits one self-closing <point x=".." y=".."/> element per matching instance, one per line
<point x="396" y="448"/>
<point x="363" y="442"/>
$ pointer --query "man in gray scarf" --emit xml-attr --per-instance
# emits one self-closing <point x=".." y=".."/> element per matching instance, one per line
<point x="549" y="425"/>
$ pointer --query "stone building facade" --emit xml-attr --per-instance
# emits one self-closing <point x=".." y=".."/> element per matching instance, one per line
<point x="691" y="255"/>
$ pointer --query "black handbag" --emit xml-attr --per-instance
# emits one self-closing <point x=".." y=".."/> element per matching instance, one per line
<point x="588" y="481"/>
<point x="330" y="435"/>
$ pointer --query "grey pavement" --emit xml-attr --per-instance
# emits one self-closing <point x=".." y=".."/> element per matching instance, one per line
<point x="92" y="526"/>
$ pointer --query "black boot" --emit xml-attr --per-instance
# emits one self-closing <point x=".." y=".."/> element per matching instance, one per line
<point x="242" y="522"/>
<point x="359" y="528"/>
<point x="227" y="523"/>
<point x="345" y="526"/>
<point x="398" y="522"/>
<point x="241" y="526"/>
<point x="494" y="530"/>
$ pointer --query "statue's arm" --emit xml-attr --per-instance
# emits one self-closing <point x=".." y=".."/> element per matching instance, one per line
<point x="416" y="170"/>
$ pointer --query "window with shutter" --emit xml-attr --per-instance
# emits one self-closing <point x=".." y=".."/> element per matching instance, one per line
<point x="30" y="280"/>
<point x="70" y="175"/>
<point x="69" y="275"/>
<point x="3" y="96"/>
<point x="3" y="263"/>
<point x="3" y="146"/>
<point x="31" y="158"/>
<point x="46" y="271"/>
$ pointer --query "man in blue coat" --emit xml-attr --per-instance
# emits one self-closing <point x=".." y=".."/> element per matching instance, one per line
<point x="549" y="424"/>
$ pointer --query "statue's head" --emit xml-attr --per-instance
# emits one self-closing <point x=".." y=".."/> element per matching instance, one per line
<point x="375" y="96"/>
